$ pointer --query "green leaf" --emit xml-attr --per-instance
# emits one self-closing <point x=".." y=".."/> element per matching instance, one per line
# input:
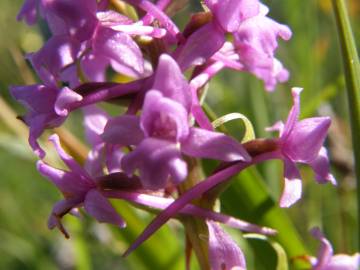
<point x="249" y="129"/>
<point x="352" y="77"/>
<point x="282" y="261"/>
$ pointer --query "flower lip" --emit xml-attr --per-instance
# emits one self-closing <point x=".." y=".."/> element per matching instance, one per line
<point x="164" y="118"/>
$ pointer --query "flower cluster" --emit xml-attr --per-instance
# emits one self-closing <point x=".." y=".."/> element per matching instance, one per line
<point x="145" y="154"/>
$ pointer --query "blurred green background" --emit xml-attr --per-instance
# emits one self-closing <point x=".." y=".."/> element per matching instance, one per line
<point x="313" y="58"/>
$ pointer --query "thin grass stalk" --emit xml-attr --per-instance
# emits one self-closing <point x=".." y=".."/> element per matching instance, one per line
<point x="352" y="77"/>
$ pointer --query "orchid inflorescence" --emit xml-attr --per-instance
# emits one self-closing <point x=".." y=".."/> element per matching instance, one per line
<point x="147" y="154"/>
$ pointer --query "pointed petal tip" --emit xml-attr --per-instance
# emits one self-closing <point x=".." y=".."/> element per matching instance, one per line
<point x="54" y="139"/>
<point x="269" y="231"/>
<point x="332" y="180"/>
<point x="291" y="193"/>
<point x="65" y="98"/>
<point x="296" y="91"/>
<point x="166" y="58"/>
<point x="316" y="232"/>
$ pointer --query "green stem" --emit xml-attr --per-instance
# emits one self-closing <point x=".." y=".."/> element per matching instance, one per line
<point x="352" y="76"/>
<point x="196" y="229"/>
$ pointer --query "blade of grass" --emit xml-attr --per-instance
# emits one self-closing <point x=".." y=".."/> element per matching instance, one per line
<point x="352" y="76"/>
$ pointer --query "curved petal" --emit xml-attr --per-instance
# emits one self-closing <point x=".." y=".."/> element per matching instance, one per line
<point x="95" y="120"/>
<point x="193" y="52"/>
<point x="66" y="158"/>
<point x="175" y="86"/>
<point x="94" y="67"/>
<point x="37" y="124"/>
<point x="124" y="54"/>
<point x="321" y="167"/>
<point x="111" y="18"/>
<point x="28" y="12"/>
<point x="123" y="130"/>
<point x="59" y="210"/>
<point x="306" y="138"/>
<point x="157" y="13"/>
<point x="278" y="126"/>
<point x="57" y="53"/>
<point x="344" y="262"/>
<point x="190" y="209"/>
<point x="65" y="100"/>
<point x="325" y="252"/>
<point x="230" y="13"/>
<point x="292" y="185"/>
<point x="70" y="184"/>
<point x="72" y="18"/>
<point x="224" y="253"/>
<point x="113" y="158"/>
<point x="37" y="98"/>
<point x="100" y="208"/>
<point x="95" y="161"/>
<point x="37" y="127"/>
<point x="156" y="160"/>
<point x="208" y="144"/>
<point x="294" y="113"/>
<point x="256" y="42"/>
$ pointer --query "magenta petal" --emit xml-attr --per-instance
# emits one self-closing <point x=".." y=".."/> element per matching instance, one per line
<point x="65" y="100"/>
<point x="37" y="127"/>
<point x="179" y="204"/>
<point x="177" y="169"/>
<point x="327" y="261"/>
<point x="163" y="117"/>
<point x="57" y="53"/>
<point x="138" y="30"/>
<point x="156" y="160"/>
<point x="175" y="86"/>
<point x="66" y="158"/>
<point x="325" y="251"/>
<point x="37" y="98"/>
<point x="321" y="167"/>
<point x="157" y="13"/>
<point x="193" y="52"/>
<point x="95" y="120"/>
<point x="70" y="184"/>
<point x="100" y="208"/>
<point x="71" y="18"/>
<point x="344" y="262"/>
<point x="224" y="253"/>
<point x="292" y="185"/>
<point x="60" y="209"/>
<point x="294" y="113"/>
<point x="189" y="209"/>
<point x="28" y="12"/>
<point x="124" y="54"/>
<point x="230" y="13"/>
<point x="123" y="130"/>
<point x="94" y="67"/>
<point x="111" y="18"/>
<point x="215" y="145"/>
<point x="113" y="158"/>
<point x="95" y="161"/>
<point x="306" y="139"/>
<point x="256" y="42"/>
<point x="278" y="126"/>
